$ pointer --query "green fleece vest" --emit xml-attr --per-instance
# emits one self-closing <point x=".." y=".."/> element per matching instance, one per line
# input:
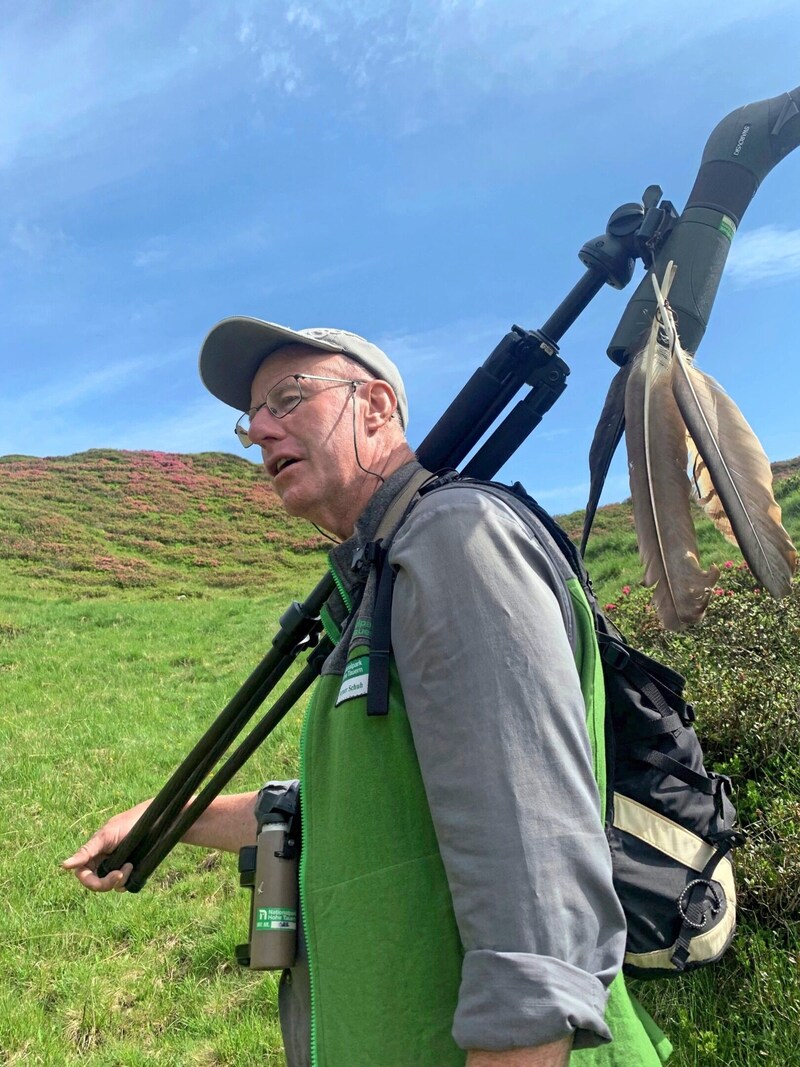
<point x="384" y="950"/>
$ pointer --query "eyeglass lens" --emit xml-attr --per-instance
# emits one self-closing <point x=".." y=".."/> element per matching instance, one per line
<point x="281" y="399"/>
<point x="284" y="397"/>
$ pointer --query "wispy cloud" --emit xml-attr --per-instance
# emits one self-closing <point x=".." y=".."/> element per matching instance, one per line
<point x="85" y="81"/>
<point x="73" y="390"/>
<point x="34" y="240"/>
<point x="445" y="52"/>
<point x="216" y="244"/>
<point x="153" y="251"/>
<point x="450" y="346"/>
<point x="62" y="69"/>
<point x="204" y="425"/>
<point x="105" y="406"/>
<point x="437" y="361"/>
<point x="106" y="374"/>
<point x="766" y="254"/>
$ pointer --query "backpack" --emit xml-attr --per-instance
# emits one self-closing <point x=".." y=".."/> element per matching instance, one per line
<point x="669" y="822"/>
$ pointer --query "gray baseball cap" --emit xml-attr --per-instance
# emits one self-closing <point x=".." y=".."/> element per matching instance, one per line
<point x="236" y="347"/>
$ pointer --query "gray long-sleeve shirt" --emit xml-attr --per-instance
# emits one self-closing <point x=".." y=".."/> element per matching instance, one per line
<point x="482" y="635"/>
<point x="483" y="639"/>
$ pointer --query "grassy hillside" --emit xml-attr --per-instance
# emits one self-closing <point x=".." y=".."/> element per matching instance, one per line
<point x="103" y="521"/>
<point x="137" y="591"/>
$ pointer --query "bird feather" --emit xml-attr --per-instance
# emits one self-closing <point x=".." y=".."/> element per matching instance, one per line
<point x="610" y="427"/>
<point x="656" y="441"/>
<point x="704" y="493"/>
<point x="736" y="465"/>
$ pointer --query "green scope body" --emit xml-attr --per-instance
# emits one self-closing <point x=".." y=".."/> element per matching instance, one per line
<point x="742" y="149"/>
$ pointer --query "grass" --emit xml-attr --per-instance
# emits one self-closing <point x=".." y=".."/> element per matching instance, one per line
<point x="100" y="699"/>
<point x="117" y="649"/>
<point x="743" y="1011"/>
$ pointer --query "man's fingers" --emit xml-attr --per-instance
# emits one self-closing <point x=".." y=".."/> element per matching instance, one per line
<point x="84" y="863"/>
<point x="124" y="874"/>
<point x="80" y="858"/>
<point x="89" y="878"/>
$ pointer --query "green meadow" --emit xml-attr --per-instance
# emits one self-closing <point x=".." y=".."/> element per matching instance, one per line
<point x="137" y="591"/>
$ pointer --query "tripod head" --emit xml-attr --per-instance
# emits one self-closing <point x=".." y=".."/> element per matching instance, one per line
<point x="634" y="231"/>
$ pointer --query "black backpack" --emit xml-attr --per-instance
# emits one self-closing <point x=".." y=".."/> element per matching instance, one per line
<point x="669" y="822"/>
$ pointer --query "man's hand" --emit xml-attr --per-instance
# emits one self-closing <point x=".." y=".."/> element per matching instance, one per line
<point x="228" y="823"/>
<point x="553" y="1054"/>
<point x="86" y="860"/>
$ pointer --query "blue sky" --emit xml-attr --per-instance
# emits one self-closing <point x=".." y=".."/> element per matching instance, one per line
<point x="421" y="173"/>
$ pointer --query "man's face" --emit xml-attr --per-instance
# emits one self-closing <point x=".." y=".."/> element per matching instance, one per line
<point x="309" y="454"/>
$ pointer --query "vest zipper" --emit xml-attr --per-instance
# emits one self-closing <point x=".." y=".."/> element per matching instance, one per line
<point x="335" y="635"/>
<point x="302" y="881"/>
<point x="348" y="603"/>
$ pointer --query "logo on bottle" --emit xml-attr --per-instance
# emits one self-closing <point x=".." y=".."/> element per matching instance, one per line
<point x="276" y="919"/>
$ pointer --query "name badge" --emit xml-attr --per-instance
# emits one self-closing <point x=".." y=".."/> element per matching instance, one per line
<point x="355" y="680"/>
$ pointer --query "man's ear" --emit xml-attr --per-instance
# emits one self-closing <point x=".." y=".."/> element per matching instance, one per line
<point x="381" y="404"/>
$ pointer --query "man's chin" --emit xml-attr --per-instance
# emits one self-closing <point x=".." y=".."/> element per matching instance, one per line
<point x="295" y="503"/>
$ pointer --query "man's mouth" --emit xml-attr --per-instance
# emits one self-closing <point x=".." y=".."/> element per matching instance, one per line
<point x="281" y="465"/>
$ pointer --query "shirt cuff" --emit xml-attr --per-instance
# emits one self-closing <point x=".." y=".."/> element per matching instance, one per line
<point x="518" y="1000"/>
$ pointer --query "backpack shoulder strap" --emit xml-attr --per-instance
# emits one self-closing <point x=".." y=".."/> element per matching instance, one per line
<point x="375" y="553"/>
<point x="402" y="503"/>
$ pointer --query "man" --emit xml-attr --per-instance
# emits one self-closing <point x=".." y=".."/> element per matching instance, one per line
<point x="456" y="891"/>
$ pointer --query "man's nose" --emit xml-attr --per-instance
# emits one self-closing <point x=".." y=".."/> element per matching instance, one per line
<point x="264" y="426"/>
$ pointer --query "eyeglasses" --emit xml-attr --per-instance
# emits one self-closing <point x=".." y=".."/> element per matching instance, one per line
<point x="283" y="398"/>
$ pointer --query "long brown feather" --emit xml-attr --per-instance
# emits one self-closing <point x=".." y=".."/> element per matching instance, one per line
<point x="607" y="435"/>
<point x="704" y="493"/>
<point x="656" y="440"/>
<point x="738" y="467"/>
<point x="740" y="473"/>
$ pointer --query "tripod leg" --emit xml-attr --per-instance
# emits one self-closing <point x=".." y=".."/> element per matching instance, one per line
<point x="167" y="841"/>
<point x="298" y="625"/>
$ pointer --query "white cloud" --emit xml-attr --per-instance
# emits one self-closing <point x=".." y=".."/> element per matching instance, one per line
<point x="244" y="33"/>
<point x="34" y="240"/>
<point x="107" y="373"/>
<point x="214" y="245"/>
<point x="574" y="496"/>
<point x="78" y="83"/>
<point x="93" y="383"/>
<point x="279" y="69"/>
<point x="57" y="74"/>
<point x="448" y="347"/>
<point x="202" y="426"/>
<point x="98" y="407"/>
<point x="154" y="251"/>
<point x="442" y="53"/>
<point x="550" y="435"/>
<point x="766" y="254"/>
<point x="300" y="15"/>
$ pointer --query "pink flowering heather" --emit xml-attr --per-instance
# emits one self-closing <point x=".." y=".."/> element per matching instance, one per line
<point x="103" y="519"/>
